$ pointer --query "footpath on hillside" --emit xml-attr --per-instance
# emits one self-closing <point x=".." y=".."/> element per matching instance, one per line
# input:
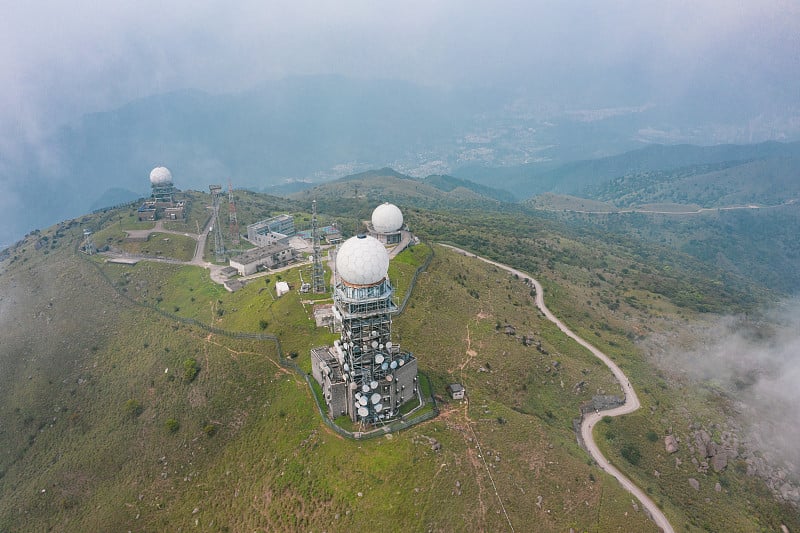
<point x="588" y="421"/>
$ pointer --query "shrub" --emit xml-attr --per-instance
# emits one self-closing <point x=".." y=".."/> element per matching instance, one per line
<point x="652" y="436"/>
<point x="209" y="430"/>
<point x="631" y="454"/>
<point x="172" y="425"/>
<point x="190" y="369"/>
<point x="133" y="408"/>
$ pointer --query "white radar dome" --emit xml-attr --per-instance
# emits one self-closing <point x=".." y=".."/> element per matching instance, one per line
<point x="387" y="218"/>
<point x="362" y="260"/>
<point x="160" y="176"/>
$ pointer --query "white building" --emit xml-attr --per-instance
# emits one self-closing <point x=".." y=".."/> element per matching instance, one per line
<point x="273" y="256"/>
<point x="386" y="224"/>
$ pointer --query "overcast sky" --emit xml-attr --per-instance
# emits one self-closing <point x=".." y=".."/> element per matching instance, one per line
<point x="60" y="59"/>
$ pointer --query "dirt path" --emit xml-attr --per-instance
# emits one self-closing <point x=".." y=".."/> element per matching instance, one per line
<point x="631" y="400"/>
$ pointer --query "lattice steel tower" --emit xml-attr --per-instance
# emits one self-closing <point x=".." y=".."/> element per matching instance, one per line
<point x="318" y="274"/>
<point x="219" y="244"/>
<point x="234" y="229"/>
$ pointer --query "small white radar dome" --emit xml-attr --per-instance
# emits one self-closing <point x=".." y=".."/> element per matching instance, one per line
<point x="362" y="260"/>
<point x="160" y="176"/>
<point x="387" y="218"/>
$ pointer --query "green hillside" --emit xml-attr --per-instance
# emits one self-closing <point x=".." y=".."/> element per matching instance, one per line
<point x="579" y="176"/>
<point x="359" y="193"/>
<point x="121" y="410"/>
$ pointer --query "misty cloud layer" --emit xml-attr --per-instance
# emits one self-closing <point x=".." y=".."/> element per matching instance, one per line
<point x="757" y="363"/>
<point x="60" y="60"/>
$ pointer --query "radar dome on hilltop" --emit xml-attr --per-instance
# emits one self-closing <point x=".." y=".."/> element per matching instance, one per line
<point x="387" y="218"/>
<point x="160" y="176"/>
<point x="362" y="261"/>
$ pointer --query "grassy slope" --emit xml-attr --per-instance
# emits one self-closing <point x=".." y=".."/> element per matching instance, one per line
<point x="269" y="463"/>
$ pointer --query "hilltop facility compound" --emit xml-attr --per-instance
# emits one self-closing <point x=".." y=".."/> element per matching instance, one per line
<point x="162" y="203"/>
<point x="364" y="375"/>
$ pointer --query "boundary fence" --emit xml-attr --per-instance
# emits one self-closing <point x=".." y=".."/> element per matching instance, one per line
<point x="395" y="425"/>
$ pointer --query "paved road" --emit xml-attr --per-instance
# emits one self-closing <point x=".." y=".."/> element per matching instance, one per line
<point x="697" y="211"/>
<point x="631" y="400"/>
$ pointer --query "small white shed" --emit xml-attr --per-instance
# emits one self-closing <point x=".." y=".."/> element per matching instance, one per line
<point x="281" y="288"/>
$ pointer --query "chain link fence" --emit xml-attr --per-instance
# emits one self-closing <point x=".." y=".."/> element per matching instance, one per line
<point x="395" y="425"/>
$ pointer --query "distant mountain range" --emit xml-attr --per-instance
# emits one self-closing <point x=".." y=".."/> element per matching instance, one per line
<point x="296" y="133"/>
<point x="590" y="176"/>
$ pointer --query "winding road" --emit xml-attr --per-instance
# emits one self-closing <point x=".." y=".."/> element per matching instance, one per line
<point x="588" y="422"/>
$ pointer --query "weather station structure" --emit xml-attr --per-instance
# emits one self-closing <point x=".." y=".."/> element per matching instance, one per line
<point x="162" y="202"/>
<point x="386" y="224"/>
<point x="364" y="375"/>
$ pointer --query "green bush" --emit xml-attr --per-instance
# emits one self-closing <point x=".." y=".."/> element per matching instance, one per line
<point x="133" y="408"/>
<point x="172" y="425"/>
<point x="190" y="369"/>
<point x="631" y="454"/>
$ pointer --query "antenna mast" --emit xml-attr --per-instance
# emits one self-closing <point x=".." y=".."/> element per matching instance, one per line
<point x="234" y="229"/>
<point x="219" y="245"/>
<point x="318" y="274"/>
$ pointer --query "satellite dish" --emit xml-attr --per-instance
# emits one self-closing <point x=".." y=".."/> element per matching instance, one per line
<point x="378" y="407"/>
<point x="373" y="385"/>
<point x="378" y="359"/>
<point x="393" y="365"/>
<point x="385" y="366"/>
<point x="363" y="400"/>
<point x="364" y="388"/>
<point x="388" y="345"/>
<point x="362" y="412"/>
<point x="375" y="398"/>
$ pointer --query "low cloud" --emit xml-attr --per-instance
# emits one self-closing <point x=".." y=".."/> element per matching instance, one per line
<point x="756" y="361"/>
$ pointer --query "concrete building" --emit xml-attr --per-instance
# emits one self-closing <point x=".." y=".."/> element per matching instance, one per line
<point x="375" y="376"/>
<point x="273" y="256"/>
<point x="272" y="230"/>
<point x="281" y="288"/>
<point x="456" y="391"/>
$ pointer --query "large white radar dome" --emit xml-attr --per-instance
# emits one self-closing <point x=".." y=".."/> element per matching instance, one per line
<point x="387" y="218"/>
<point x="160" y="176"/>
<point x="362" y="260"/>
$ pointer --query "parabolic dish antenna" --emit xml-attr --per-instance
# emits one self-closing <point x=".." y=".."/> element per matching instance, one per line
<point x="363" y="400"/>
<point x="364" y="388"/>
<point x="388" y="344"/>
<point x="393" y="365"/>
<point x="378" y="407"/>
<point x="362" y="412"/>
<point x="373" y="385"/>
<point x="389" y="377"/>
<point x="374" y="344"/>
<point x="375" y="398"/>
<point x="401" y="362"/>
<point x="378" y="359"/>
<point x="385" y="366"/>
